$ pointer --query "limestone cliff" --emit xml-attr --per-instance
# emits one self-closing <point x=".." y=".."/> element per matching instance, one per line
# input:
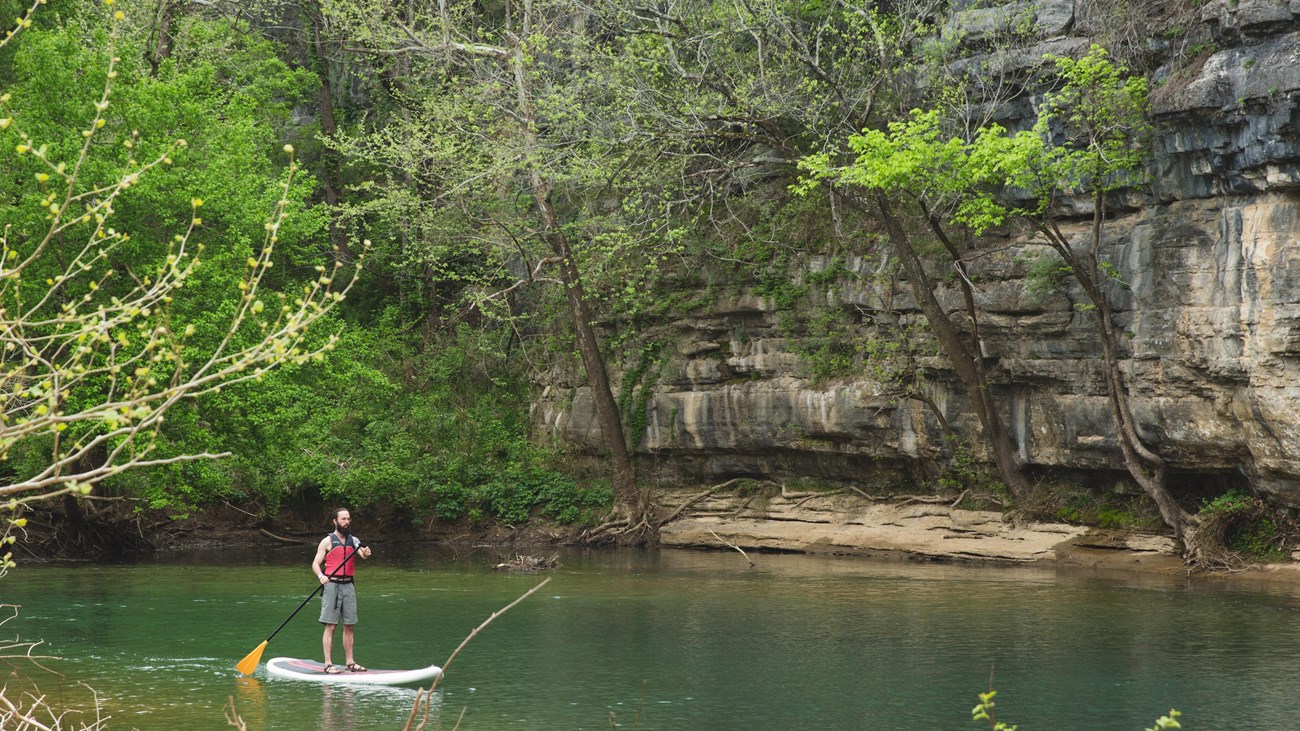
<point x="1211" y="257"/>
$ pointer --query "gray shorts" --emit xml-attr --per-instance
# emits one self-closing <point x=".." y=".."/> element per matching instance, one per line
<point x="338" y="604"/>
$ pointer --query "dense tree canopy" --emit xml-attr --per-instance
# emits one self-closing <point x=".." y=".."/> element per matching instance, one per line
<point x="542" y="181"/>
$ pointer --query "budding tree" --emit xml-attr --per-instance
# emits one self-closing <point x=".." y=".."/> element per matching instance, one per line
<point x="92" y="355"/>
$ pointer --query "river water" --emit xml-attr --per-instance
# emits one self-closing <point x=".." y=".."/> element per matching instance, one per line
<point x="665" y="640"/>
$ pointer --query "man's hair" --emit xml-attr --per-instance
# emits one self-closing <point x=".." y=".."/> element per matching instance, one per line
<point x="334" y="514"/>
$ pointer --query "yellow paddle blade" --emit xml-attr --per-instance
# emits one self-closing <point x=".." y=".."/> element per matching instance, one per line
<point x="249" y="663"/>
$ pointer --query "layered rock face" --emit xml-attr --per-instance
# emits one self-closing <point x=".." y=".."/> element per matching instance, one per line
<point x="1211" y="313"/>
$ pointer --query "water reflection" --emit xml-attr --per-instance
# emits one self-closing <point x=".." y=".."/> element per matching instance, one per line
<point x="249" y="702"/>
<point x="338" y="706"/>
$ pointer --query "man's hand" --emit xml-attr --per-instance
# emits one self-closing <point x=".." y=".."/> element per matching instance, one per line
<point x="365" y="552"/>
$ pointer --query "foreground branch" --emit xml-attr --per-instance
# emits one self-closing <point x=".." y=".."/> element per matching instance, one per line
<point x="422" y="699"/>
<point x="93" y="358"/>
<point x="732" y="545"/>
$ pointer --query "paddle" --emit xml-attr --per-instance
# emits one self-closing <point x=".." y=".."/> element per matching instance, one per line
<point x="250" y="661"/>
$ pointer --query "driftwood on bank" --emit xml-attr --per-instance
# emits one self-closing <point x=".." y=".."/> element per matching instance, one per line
<point x="522" y="562"/>
<point x="282" y="539"/>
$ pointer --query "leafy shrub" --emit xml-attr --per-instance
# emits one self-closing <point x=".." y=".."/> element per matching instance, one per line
<point x="452" y="500"/>
<point x="1238" y="525"/>
<point x="566" y="502"/>
<point x="1117" y="518"/>
<point x="968" y="476"/>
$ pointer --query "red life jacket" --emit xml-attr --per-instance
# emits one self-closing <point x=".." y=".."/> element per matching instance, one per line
<point x="337" y="553"/>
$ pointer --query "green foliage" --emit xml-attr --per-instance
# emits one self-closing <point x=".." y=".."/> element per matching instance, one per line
<point x="1261" y="541"/>
<point x="1167" y="722"/>
<point x="1247" y="526"/>
<point x="776" y="284"/>
<point x="1114" y="509"/>
<point x="514" y="497"/>
<point x="443" y="432"/>
<point x="1232" y="502"/>
<point x="429" y="425"/>
<point x="638" y="389"/>
<point x="1089" y="512"/>
<point x="567" y="502"/>
<point x="227" y="107"/>
<point x="1102" y="110"/>
<point x="1117" y="519"/>
<point x="831" y="345"/>
<point x="985" y="712"/>
<point x="116" y="323"/>
<point x="11" y="520"/>
<point x="1046" y="275"/>
<point x="766" y="241"/>
<point x="916" y="156"/>
<point x="965" y="474"/>
<point x="225" y="94"/>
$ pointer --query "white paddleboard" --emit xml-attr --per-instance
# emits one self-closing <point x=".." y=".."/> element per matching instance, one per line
<point x="295" y="669"/>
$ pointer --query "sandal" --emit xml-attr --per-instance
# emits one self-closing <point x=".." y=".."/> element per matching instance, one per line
<point x="355" y="668"/>
<point x="331" y="670"/>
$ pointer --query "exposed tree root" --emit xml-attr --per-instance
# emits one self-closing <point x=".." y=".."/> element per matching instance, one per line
<point x="802" y="500"/>
<point x="90" y="527"/>
<point x="862" y="493"/>
<point x="615" y="525"/>
<point x="605" y="532"/>
<point x="624" y="530"/>
<point x="695" y="499"/>
<point x="743" y="506"/>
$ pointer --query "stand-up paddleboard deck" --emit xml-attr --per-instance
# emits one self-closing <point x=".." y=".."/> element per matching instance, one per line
<point x="295" y="669"/>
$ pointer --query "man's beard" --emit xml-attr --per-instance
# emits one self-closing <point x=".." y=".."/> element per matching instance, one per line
<point x="342" y="529"/>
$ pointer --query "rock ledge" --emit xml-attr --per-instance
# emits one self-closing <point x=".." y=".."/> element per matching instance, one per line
<point x="854" y="525"/>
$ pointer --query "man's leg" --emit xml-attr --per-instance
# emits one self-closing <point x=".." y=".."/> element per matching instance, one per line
<point x="327" y="639"/>
<point x="329" y="617"/>
<point x="347" y="643"/>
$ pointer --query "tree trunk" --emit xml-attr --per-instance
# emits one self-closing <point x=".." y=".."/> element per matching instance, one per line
<point x="966" y="364"/>
<point x="332" y="165"/>
<point x="629" y="500"/>
<point x="160" y="39"/>
<point x="627" y="495"/>
<point x="1147" y="467"/>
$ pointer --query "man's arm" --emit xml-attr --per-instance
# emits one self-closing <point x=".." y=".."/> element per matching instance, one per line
<point x="316" y="567"/>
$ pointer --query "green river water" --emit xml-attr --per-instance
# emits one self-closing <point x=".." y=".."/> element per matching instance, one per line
<point x="684" y="640"/>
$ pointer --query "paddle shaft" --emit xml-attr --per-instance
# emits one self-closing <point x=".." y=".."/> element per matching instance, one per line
<point x="346" y="557"/>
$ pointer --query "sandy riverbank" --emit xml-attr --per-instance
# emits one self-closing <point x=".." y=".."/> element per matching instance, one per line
<point x="847" y="524"/>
